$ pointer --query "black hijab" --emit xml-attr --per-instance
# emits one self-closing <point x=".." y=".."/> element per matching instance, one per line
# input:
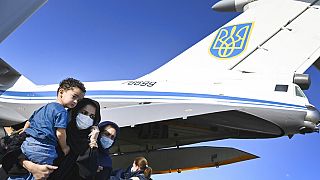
<point x="78" y="139"/>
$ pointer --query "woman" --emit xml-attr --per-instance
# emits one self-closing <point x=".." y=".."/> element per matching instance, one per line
<point x="81" y="162"/>
<point x="139" y="170"/>
<point x="108" y="133"/>
<point x="85" y="160"/>
<point x="82" y="118"/>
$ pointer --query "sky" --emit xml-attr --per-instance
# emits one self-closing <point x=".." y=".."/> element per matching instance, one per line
<point x="124" y="39"/>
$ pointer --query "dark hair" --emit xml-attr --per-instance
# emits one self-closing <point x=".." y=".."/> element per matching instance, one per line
<point x="142" y="163"/>
<point x="84" y="102"/>
<point x="70" y="83"/>
<point x="104" y="124"/>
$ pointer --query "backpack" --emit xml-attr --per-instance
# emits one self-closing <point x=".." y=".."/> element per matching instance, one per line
<point x="10" y="143"/>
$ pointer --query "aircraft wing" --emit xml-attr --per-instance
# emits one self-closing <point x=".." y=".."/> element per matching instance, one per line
<point x="15" y="12"/>
<point x="182" y="159"/>
<point x="152" y="138"/>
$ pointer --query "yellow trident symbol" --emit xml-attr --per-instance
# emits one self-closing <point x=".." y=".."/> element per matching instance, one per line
<point x="230" y="41"/>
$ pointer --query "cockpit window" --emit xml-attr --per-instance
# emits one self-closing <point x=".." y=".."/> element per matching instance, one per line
<point x="282" y="88"/>
<point x="299" y="92"/>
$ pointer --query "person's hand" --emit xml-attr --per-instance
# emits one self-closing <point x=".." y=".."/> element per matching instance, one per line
<point x="66" y="150"/>
<point x="93" y="136"/>
<point x="39" y="172"/>
<point x="43" y="171"/>
<point x="134" y="178"/>
<point x="100" y="168"/>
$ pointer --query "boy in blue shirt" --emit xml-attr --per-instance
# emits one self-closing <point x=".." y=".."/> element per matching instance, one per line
<point x="47" y="126"/>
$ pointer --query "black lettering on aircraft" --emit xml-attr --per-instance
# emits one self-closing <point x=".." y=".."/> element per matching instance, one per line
<point x="140" y="83"/>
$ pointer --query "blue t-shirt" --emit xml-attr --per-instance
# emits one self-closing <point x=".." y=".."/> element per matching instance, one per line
<point x="45" y="121"/>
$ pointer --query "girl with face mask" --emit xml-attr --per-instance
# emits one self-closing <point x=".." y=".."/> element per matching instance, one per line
<point x="139" y="170"/>
<point x="108" y="133"/>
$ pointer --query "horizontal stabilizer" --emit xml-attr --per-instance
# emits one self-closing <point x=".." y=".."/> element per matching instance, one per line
<point x="182" y="159"/>
<point x="15" y="12"/>
<point x="8" y="75"/>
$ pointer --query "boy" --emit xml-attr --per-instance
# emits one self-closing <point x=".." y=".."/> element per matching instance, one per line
<point x="47" y="126"/>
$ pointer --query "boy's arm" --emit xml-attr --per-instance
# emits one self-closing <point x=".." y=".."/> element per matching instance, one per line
<point x="62" y="139"/>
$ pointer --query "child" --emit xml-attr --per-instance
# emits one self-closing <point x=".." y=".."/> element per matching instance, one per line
<point x="139" y="170"/>
<point x="47" y="126"/>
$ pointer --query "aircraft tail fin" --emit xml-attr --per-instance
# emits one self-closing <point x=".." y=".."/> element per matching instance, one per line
<point x="271" y="37"/>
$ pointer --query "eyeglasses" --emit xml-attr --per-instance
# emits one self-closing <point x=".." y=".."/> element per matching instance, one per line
<point x="111" y="136"/>
<point x="84" y="112"/>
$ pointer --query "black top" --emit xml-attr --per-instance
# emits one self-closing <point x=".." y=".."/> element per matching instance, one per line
<point x="122" y="174"/>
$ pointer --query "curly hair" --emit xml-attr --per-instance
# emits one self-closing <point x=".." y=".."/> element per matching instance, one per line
<point x="70" y="83"/>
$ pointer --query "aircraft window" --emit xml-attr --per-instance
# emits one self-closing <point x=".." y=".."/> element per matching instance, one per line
<point x="299" y="92"/>
<point x="282" y="88"/>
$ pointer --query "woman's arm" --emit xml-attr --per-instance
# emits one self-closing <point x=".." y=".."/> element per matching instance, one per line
<point x="93" y="136"/>
<point x="37" y="170"/>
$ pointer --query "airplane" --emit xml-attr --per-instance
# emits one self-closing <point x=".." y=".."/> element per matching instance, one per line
<point x="192" y="98"/>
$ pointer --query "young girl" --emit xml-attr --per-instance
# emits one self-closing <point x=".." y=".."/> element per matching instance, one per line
<point x="139" y="170"/>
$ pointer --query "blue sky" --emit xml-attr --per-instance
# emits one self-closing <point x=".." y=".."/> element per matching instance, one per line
<point x="125" y="39"/>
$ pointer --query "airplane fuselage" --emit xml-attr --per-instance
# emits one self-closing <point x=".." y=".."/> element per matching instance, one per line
<point x="281" y="107"/>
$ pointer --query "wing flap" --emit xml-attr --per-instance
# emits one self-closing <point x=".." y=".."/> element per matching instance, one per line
<point x="174" y="160"/>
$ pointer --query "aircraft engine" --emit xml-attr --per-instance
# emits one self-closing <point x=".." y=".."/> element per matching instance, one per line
<point x="231" y="5"/>
<point x="302" y="80"/>
<point x="312" y="119"/>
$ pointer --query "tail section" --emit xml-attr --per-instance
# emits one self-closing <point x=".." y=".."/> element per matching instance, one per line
<point x="270" y="37"/>
<point x="9" y="77"/>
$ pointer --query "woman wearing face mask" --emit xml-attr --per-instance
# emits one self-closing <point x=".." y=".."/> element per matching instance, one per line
<point x="81" y="162"/>
<point x="108" y="132"/>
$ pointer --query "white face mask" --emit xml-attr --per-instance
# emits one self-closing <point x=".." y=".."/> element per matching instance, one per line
<point x="106" y="142"/>
<point x="134" y="168"/>
<point x="83" y="121"/>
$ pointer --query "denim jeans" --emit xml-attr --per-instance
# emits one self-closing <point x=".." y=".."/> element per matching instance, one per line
<point x="25" y="177"/>
<point x="38" y="152"/>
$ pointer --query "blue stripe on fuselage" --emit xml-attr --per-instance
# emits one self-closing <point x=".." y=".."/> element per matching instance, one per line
<point x="164" y="95"/>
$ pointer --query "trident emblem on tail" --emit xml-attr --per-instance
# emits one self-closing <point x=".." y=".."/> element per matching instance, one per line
<point x="231" y="41"/>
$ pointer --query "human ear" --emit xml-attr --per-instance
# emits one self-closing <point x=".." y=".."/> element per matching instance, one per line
<point x="61" y="92"/>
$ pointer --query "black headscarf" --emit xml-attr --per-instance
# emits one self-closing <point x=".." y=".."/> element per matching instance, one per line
<point x="78" y="139"/>
<point x="103" y="154"/>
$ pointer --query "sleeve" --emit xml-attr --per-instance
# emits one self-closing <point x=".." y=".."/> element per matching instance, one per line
<point x="66" y="166"/>
<point x="11" y="163"/>
<point x="31" y="117"/>
<point x="117" y="174"/>
<point x="105" y="174"/>
<point x="87" y="163"/>
<point x="61" y="120"/>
